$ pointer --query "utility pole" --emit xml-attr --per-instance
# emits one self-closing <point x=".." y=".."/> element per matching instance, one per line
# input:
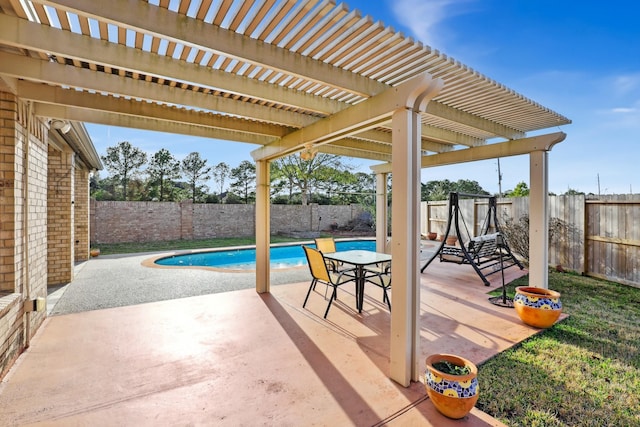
<point x="499" y="180"/>
<point x="598" y="175"/>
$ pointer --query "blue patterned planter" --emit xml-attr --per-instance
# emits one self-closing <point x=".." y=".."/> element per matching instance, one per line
<point x="452" y="395"/>
<point x="537" y="307"/>
<point x="451" y="388"/>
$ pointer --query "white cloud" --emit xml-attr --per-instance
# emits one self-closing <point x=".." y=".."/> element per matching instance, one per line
<point x="622" y="116"/>
<point x="422" y="17"/>
<point x="626" y="84"/>
<point x="623" y="110"/>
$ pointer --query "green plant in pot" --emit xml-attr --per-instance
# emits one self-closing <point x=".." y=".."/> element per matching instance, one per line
<point x="452" y="384"/>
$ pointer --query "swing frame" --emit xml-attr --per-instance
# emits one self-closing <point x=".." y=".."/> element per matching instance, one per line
<point x="487" y="251"/>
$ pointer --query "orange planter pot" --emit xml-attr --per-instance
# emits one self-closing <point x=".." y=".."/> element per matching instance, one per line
<point x="452" y="395"/>
<point x="537" y="307"/>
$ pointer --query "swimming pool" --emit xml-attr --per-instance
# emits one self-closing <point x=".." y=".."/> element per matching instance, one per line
<point x="285" y="256"/>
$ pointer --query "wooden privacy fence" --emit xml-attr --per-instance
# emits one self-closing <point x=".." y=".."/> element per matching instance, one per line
<point x="599" y="238"/>
<point x="613" y="239"/>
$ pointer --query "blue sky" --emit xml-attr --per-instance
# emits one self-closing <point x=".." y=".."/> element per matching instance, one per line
<point x="581" y="59"/>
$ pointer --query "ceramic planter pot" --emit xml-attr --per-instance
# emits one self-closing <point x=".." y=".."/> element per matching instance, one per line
<point x="451" y="240"/>
<point x="537" y="307"/>
<point x="452" y="395"/>
<point x="94" y="252"/>
<point x="432" y="236"/>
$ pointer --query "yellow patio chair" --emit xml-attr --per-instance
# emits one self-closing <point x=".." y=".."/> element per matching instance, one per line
<point x="322" y="274"/>
<point x="328" y="245"/>
<point x="325" y="244"/>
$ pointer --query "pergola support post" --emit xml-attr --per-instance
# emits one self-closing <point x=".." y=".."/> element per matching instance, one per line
<point x="382" y="212"/>
<point x="406" y="156"/>
<point x="263" y="226"/>
<point x="405" y="247"/>
<point x="538" y="220"/>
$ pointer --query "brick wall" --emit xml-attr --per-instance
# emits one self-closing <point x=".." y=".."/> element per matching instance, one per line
<point x="60" y="216"/>
<point x="186" y="220"/>
<point x="10" y="161"/>
<point x="81" y="215"/>
<point x="37" y="223"/>
<point x="11" y="331"/>
<point x="16" y="327"/>
<point x="212" y="221"/>
<point x="114" y="222"/>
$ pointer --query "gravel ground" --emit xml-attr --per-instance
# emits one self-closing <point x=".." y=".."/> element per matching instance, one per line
<point x="120" y="280"/>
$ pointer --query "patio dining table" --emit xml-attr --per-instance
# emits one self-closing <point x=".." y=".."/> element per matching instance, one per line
<point x="359" y="259"/>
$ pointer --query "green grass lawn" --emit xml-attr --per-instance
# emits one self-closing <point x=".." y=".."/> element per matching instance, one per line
<point x="584" y="371"/>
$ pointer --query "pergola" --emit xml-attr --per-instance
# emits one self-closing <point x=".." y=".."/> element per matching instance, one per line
<point x="285" y="75"/>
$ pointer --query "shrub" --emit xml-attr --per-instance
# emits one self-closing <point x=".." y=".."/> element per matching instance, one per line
<point x="517" y="234"/>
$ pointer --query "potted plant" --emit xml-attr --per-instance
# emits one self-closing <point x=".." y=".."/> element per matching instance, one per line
<point x="537" y="307"/>
<point x="452" y="384"/>
<point x="431" y="235"/>
<point x="94" y="252"/>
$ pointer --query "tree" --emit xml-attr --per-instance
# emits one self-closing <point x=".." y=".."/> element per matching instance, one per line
<point x="439" y="190"/>
<point x="244" y="179"/>
<point x="102" y="188"/>
<point x="124" y="162"/>
<point x="337" y="183"/>
<point x="363" y="189"/>
<point x="220" y="174"/>
<point x="364" y="193"/>
<point x="470" y="187"/>
<point x="521" y="190"/>
<point x="195" y="171"/>
<point x="163" y="168"/>
<point x="307" y="175"/>
<point x="573" y="192"/>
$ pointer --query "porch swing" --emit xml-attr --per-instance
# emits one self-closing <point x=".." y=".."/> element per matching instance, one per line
<point x="487" y="253"/>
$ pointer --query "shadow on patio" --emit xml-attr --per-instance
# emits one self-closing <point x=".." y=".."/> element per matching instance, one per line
<point x="240" y="358"/>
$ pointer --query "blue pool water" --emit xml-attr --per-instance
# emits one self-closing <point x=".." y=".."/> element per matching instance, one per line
<point x="245" y="259"/>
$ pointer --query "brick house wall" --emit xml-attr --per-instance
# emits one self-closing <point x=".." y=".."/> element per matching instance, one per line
<point x="44" y="219"/>
<point x="81" y="214"/>
<point x="116" y="222"/>
<point x="10" y="154"/>
<point x="23" y="225"/>
<point x="60" y="216"/>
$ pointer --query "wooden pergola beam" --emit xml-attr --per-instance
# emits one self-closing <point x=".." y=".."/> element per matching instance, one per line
<point x="486" y="152"/>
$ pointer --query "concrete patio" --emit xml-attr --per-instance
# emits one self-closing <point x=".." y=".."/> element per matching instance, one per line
<point x="239" y="358"/>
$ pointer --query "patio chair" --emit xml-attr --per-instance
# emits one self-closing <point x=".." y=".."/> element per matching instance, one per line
<point x="380" y="275"/>
<point x="325" y="244"/>
<point x="328" y="245"/>
<point x="321" y="273"/>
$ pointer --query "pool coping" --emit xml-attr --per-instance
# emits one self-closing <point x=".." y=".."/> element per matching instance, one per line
<point x="151" y="262"/>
